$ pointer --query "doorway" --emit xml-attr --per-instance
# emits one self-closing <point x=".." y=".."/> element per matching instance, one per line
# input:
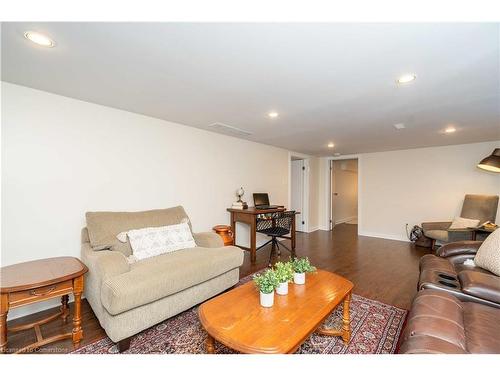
<point x="344" y="191"/>
<point x="297" y="191"/>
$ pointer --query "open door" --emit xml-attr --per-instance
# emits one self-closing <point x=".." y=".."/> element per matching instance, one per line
<point x="344" y="191"/>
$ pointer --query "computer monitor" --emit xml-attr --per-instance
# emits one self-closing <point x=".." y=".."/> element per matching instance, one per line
<point x="261" y="199"/>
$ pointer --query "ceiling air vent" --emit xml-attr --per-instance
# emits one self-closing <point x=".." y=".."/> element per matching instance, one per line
<point x="228" y="129"/>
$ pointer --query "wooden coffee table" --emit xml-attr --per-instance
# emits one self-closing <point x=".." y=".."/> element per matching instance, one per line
<point x="237" y="320"/>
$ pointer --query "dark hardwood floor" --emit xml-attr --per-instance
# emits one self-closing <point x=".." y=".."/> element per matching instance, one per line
<point x="380" y="269"/>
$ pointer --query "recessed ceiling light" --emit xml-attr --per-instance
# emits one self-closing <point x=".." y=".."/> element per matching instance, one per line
<point x="450" y="129"/>
<point x="336" y="154"/>
<point x="39" y="39"/>
<point x="406" y="78"/>
<point x="331" y="145"/>
<point x="399" y="126"/>
<point x="273" y="114"/>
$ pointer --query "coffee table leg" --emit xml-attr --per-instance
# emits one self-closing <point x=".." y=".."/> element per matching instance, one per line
<point x="210" y="344"/>
<point x="346" y="320"/>
<point x="345" y="332"/>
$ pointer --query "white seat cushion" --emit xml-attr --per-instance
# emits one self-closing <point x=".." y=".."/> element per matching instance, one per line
<point x="462" y="222"/>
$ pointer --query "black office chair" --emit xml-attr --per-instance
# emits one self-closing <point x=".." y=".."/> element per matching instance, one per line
<point x="276" y="225"/>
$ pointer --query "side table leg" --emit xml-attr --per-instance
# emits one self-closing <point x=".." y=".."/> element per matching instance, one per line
<point x="77" y="316"/>
<point x="65" y="308"/>
<point x="210" y="344"/>
<point x="346" y="320"/>
<point x="4" y="309"/>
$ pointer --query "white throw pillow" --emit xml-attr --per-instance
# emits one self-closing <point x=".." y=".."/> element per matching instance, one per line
<point x="462" y="222"/>
<point x="488" y="254"/>
<point x="150" y="242"/>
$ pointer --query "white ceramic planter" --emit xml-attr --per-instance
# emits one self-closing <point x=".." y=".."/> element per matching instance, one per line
<point x="299" y="278"/>
<point x="266" y="299"/>
<point x="282" y="289"/>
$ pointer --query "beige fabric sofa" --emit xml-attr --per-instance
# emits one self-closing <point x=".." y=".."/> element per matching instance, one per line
<point x="128" y="298"/>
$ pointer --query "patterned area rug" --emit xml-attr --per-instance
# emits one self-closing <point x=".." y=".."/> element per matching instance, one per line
<point x="375" y="329"/>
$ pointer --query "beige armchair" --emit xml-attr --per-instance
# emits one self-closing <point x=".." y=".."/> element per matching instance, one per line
<point x="479" y="207"/>
<point x="128" y="298"/>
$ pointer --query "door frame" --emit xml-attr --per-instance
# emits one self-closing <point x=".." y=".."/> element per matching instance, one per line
<point x="305" y="186"/>
<point x="329" y="190"/>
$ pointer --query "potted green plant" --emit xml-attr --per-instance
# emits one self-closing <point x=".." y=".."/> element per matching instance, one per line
<point x="300" y="267"/>
<point x="284" y="273"/>
<point x="266" y="283"/>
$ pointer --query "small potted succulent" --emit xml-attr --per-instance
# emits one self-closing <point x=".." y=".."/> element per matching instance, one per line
<point x="284" y="273"/>
<point x="300" y="267"/>
<point x="266" y="283"/>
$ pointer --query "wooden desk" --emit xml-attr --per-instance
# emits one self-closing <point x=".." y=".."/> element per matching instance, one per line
<point x="249" y="216"/>
<point x="39" y="280"/>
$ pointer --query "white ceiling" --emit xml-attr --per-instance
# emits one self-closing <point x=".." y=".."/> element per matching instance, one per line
<point x="329" y="82"/>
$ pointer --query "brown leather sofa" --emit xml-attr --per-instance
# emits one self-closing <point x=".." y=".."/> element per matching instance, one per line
<point x="446" y="272"/>
<point x="439" y="323"/>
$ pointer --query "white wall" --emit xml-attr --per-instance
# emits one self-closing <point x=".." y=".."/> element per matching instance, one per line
<point x="426" y="184"/>
<point x="62" y="157"/>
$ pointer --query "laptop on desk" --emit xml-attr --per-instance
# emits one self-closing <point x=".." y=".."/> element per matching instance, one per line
<point x="261" y="201"/>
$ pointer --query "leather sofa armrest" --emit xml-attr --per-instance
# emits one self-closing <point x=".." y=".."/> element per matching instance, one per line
<point x="436" y="225"/>
<point x="481" y="285"/>
<point x="458" y="248"/>
<point x="208" y="239"/>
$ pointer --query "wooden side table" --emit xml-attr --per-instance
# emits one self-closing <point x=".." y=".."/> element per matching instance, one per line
<point x="226" y="234"/>
<point x="482" y="230"/>
<point x="39" y="280"/>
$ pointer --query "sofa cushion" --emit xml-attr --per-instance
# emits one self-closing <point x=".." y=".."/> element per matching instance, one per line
<point x="462" y="222"/>
<point x="459" y="267"/>
<point x="155" y="278"/>
<point x="103" y="227"/>
<point x="488" y="254"/>
<point x="439" y="323"/>
<point x="438" y="315"/>
<point x="482" y="328"/>
<point x="481" y="285"/>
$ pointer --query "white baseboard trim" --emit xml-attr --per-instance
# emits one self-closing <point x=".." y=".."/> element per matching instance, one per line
<point x="341" y="221"/>
<point x="386" y="236"/>
<point x="313" y="229"/>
